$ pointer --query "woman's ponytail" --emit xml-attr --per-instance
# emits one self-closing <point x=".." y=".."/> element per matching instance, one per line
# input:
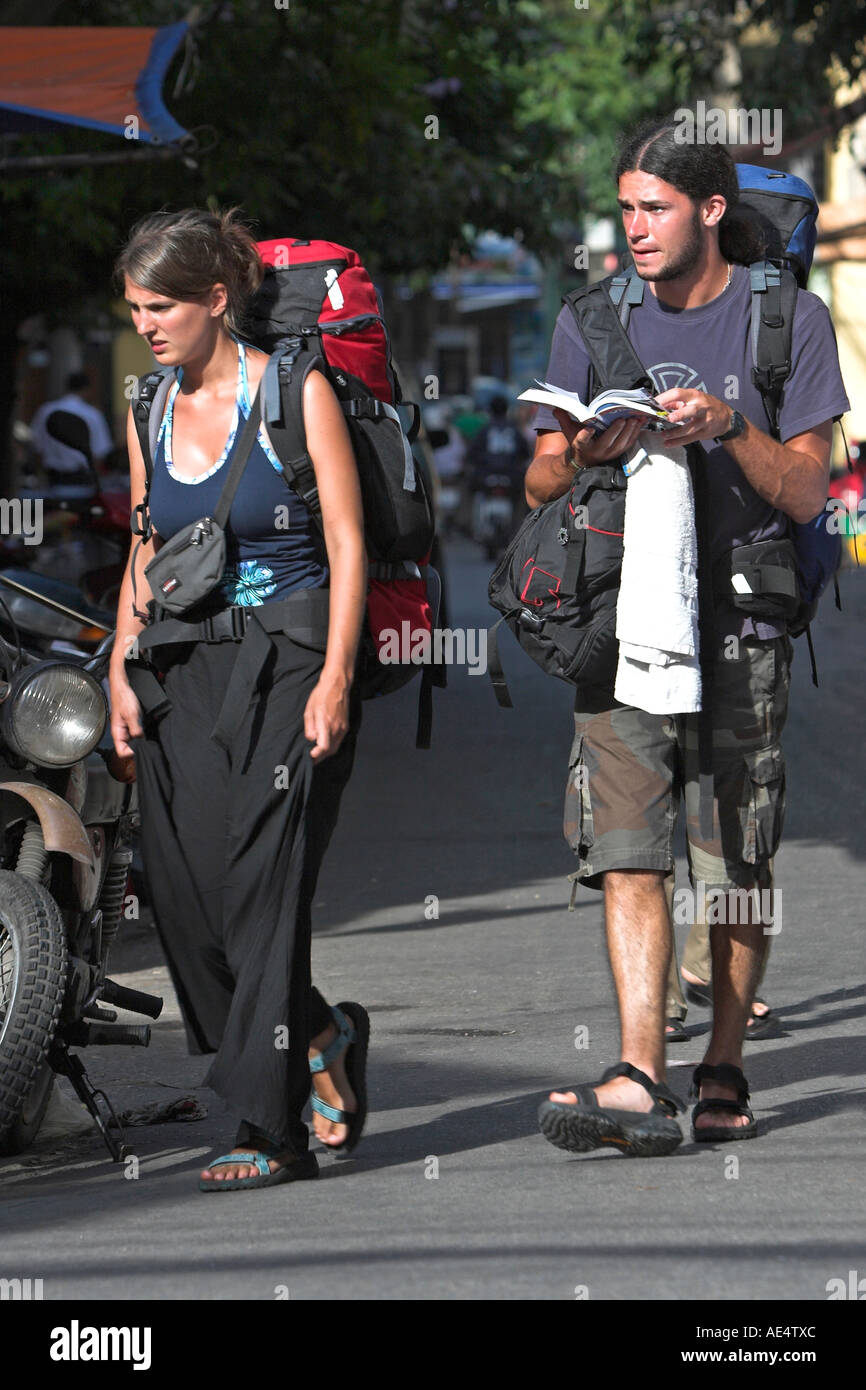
<point x="242" y="266"/>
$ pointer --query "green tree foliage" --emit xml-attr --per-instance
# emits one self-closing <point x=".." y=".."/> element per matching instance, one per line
<point x="400" y="127"/>
<point x="793" y="54"/>
<point x="594" y="81"/>
<point x="397" y="126"/>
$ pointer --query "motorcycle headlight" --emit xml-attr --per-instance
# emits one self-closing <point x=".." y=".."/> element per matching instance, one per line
<point x="54" y="714"/>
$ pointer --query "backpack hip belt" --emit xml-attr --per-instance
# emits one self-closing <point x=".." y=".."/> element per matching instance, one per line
<point x="232" y="624"/>
<point x="303" y="616"/>
<point x="760" y="579"/>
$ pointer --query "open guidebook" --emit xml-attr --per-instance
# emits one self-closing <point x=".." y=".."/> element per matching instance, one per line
<point x="603" y="409"/>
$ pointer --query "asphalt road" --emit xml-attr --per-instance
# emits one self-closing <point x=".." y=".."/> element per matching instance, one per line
<point x="453" y="1193"/>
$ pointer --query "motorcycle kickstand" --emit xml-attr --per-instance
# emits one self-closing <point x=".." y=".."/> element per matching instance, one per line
<point x="67" y="1064"/>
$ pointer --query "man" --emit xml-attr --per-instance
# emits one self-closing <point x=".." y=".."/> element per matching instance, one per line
<point x="690" y="243"/>
<point x="61" y="462"/>
<point x="499" y="447"/>
<point x="499" y="451"/>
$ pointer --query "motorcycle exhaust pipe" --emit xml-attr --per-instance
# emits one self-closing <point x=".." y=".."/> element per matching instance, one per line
<point x="132" y="999"/>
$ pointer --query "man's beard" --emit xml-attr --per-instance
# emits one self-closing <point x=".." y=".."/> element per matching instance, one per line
<point x="684" y="260"/>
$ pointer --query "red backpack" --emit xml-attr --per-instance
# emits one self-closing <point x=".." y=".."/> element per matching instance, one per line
<point x="318" y="304"/>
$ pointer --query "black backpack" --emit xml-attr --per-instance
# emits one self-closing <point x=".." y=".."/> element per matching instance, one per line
<point x="584" y="554"/>
<point x="813" y="550"/>
<point x="583" y="571"/>
<point x="398" y="518"/>
<point x="557" y="584"/>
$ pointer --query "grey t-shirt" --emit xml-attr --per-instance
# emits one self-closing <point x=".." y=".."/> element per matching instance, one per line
<point x="708" y="349"/>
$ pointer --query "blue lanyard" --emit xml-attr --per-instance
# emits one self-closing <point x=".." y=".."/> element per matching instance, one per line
<point x="241" y="411"/>
<point x="165" y="429"/>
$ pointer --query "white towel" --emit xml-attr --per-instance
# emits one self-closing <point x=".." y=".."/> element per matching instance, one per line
<point x="657" y="609"/>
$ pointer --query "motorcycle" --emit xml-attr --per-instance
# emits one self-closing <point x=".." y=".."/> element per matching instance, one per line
<point x="66" y="827"/>
<point x="449" y="452"/>
<point x="493" y="513"/>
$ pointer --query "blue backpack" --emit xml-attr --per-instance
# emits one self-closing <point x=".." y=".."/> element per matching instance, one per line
<point x="787" y="211"/>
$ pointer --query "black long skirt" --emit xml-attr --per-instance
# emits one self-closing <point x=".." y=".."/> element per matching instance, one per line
<point x="232" y="841"/>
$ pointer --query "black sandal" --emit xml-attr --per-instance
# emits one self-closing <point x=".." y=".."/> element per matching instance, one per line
<point x="762" y="1025"/>
<point x="727" y="1075"/>
<point x="698" y="994"/>
<point x="636" y="1133"/>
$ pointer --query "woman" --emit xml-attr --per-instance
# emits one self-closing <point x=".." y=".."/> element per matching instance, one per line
<point x="233" y="832"/>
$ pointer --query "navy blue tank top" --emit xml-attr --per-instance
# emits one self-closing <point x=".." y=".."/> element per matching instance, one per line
<point x="272" y="546"/>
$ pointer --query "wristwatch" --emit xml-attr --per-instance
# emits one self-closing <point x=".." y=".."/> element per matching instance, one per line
<point x="736" y="428"/>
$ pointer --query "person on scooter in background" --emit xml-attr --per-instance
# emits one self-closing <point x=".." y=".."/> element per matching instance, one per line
<point x="449" y="454"/>
<point x="497" y="464"/>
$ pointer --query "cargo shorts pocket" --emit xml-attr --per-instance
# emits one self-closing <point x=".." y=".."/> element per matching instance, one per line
<point x="577" y="816"/>
<point x="764" y="804"/>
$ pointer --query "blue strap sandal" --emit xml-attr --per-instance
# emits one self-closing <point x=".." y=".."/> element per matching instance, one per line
<point x="305" y="1166"/>
<point x="353" y="1038"/>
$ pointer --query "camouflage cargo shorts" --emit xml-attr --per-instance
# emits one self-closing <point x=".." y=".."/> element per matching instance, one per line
<point x="628" y="769"/>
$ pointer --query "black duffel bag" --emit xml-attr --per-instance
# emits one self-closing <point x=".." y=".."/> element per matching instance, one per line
<point x="557" y="583"/>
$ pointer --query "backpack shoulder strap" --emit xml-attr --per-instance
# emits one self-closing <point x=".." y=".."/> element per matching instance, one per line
<point x="626" y="290"/>
<point x="283" y="414"/>
<point x="148" y="405"/>
<point x="603" y="329"/>
<point x="774" y="302"/>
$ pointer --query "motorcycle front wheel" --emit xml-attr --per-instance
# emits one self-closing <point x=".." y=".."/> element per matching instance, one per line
<point x="32" y="983"/>
<point x="19" y="1136"/>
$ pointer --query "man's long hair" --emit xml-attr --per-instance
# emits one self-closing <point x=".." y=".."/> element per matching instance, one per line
<point x="699" y="171"/>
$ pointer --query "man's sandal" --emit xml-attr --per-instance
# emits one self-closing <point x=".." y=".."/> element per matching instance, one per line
<point x="762" y="1025"/>
<point x="586" y="1125"/>
<point x="674" y="1030"/>
<point x="726" y="1075"/>
<point x="701" y="994"/>
<point x="758" y="1026"/>
<point x="296" y="1169"/>
<point x="353" y="1038"/>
